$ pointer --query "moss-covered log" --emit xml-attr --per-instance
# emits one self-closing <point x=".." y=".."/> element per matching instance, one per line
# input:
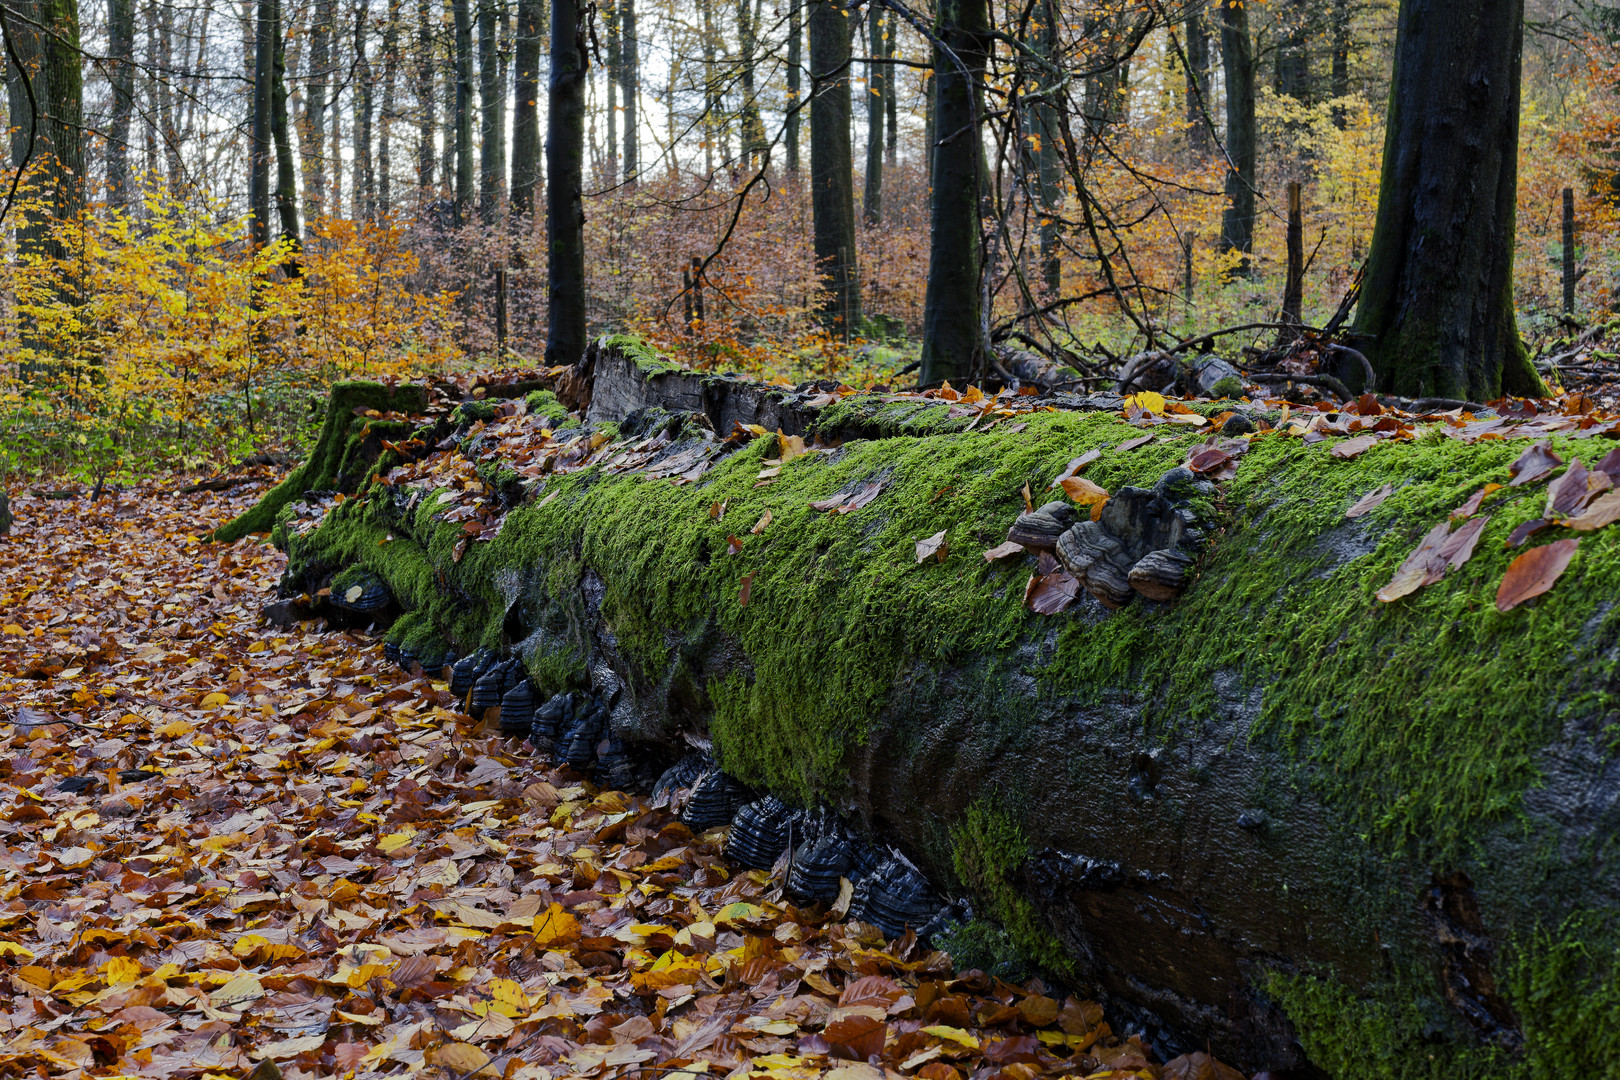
<point x="349" y="444"/>
<point x="1315" y="830"/>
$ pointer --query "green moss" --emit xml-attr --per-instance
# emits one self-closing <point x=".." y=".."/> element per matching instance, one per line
<point x="645" y="356"/>
<point x="337" y="452"/>
<point x="987" y="849"/>
<point x="470" y="412"/>
<point x="1229" y="387"/>
<point x="1562" y="984"/>
<point x="545" y="403"/>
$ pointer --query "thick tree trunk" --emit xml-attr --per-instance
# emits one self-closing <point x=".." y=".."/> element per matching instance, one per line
<point x="1197" y="79"/>
<point x="630" y="81"/>
<point x="832" y="179"/>
<point x="795" y="88"/>
<point x="876" y="99"/>
<point x="565" y="168"/>
<point x="953" y="337"/>
<point x="315" y="104"/>
<point x="1436" y="311"/>
<point x="1237" y="58"/>
<point x="462" y="13"/>
<point x="1293" y="74"/>
<point x="121" y="75"/>
<point x="259" y="147"/>
<point x="492" y="117"/>
<point x="526" y="108"/>
<point x="426" y="100"/>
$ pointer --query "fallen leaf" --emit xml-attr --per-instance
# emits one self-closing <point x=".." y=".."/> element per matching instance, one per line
<point x="1537" y="461"/>
<point x="1076" y="466"/>
<point x="1525" y="531"/>
<point x="759" y="527"/>
<point x="1083" y="491"/>
<point x="1148" y="400"/>
<point x="1370" y="501"/>
<point x="1534" y="572"/>
<point x="1004" y="550"/>
<point x="1051" y="594"/>
<point x="1440" y="552"/>
<point x="1568" y="493"/>
<point x="1132" y="444"/>
<point x="747" y="587"/>
<point x="934" y="547"/>
<point x="1471" y="507"/>
<point x="1353" y="447"/>
<point x="1605" y="510"/>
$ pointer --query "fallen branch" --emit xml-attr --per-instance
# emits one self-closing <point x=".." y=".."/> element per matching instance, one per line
<point x="222" y="483"/>
<point x="1366" y="365"/>
<point x="1321" y="382"/>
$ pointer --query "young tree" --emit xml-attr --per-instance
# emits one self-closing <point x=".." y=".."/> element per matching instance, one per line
<point x="953" y="337"/>
<point x="286" y="169"/>
<point x="1436" y="310"/>
<point x="832" y="182"/>
<point x="1237" y="58"/>
<point x="565" y="168"/>
<point x="877" y="93"/>
<point x="1043" y="136"/>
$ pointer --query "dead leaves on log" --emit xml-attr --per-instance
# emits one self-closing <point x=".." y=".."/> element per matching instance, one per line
<point x="1534" y="572"/>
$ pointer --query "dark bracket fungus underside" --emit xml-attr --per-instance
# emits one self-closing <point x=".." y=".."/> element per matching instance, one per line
<point x="1269" y="814"/>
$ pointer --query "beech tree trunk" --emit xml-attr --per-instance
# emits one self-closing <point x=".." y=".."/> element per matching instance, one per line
<point x="630" y="80"/>
<point x="264" y="50"/>
<point x="795" y="66"/>
<point x="386" y="115"/>
<point x="1436" y="312"/>
<point x="121" y="74"/>
<point x="565" y="167"/>
<point x="876" y="97"/>
<point x="832" y="179"/>
<point x="1237" y="58"/>
<point x="363" y="183"/>
<point x="1197" y="79"/>
<point x="953" y="339"/>
<point x="526" y="109"/>
<point x="462" y="13"/>
<point x="1043" y="164"/>
<point x="320" y="64"/>
<point x="426" y="100"/>
<point x="492" y="117"/>
<point x="286" y="193"/>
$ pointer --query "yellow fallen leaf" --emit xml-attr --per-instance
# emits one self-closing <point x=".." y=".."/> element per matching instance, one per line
<point x="11" y="628"/>
<point x="11" y="948"/>
<point x="242" y="988"/>
<point x="508" y="997"/>
<point x="556" y="927"/>
<point x="394" y="841"/>
<point x="121" y="971"/>
<point x="458" y="1056"/>
<point x="214" y="700"/>
<point x="955" y="1034"/>
<point x="1147" y="399"/>
<point x="1083" y="491"/>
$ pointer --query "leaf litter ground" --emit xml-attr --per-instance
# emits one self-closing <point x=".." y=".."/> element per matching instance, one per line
<point x="227" y="849"/>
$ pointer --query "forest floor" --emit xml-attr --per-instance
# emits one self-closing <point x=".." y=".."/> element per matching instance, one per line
<point x="231" y="850"/>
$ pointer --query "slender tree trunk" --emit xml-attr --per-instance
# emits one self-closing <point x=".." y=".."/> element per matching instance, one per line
<point x="464" y="122"/>
<point x="364" y="181"/>
<point x="832" y="179"/>
<point x="170" y="131"/>
<point x="286" y="170"/>
<point x="1341" y="58"/>
<point x="149" y="115"/>
<point x="711" y="87"/>
<point x="795" y="69"/>
<point x="953" y="337"/>
<point x="565" y="168"/>
<point x="876" y="99"/>
<point x="610" y="19"/>
<point x="526" y="111"/>
<point x="930" y="127"/>
<point x="448" y="158"/>
<point x="264" y="51"/>
<point x="1198" y="103"/>
<point x="385" y="118"/>
<point x="630" y="77"/>
<point x="426" y="100"/>
<point x="1293" y="58"/>
<point x="753" y="130"/>
<point x="1237" y="224"/>
<point x="1044" y="162"/>
<point x="892" y="95"/>
<point x="491" y="115"/>
<point x="1436" y="312"/>
<point x="121" y="74"/>
<point x="320" y="64"/>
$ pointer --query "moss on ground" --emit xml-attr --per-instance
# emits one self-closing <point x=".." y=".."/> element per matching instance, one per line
<point x="987" y="850"/>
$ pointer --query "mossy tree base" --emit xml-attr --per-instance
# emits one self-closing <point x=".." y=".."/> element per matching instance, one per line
<point x="1230" y="816"/>
<point x="347" y="448"/>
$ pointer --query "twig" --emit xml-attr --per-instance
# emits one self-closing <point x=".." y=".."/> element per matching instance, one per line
<point x="1322" y="382"/>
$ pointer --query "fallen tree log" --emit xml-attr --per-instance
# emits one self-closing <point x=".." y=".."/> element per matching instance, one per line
<point x="1274" y="816"/>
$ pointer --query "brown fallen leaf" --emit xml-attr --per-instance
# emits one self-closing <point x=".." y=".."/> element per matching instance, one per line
<point x="1005" y="550"/>
<point x="1212" y="461"/>
<point x="1605" y="510"/>
<point x="747" y="587"/>
<point x="1370" y="501"/>
<point x="1537" y="461"/>
<point x="1440" y="552"/>
<point x="1083" y="491"/>
<point x="1132" y="444"/>
<point x="1569" y="492"/>
<point x="860" y="498"/>
<point x="934" y="547"/>
<point x="1076" y="467"/>
<point x="1353" y="447"/>
<point x="1200" y="1066"/>
<point x="760" y="526"/>
<point x="1051" y="594"/>
<point x="733" y="545"/>
<point x="1471" y="507"/>
<point x="1525" y="531"/>
<point x="1534" y="572"/>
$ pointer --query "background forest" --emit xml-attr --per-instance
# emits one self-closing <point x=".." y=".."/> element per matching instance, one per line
<point x="144" y="322"/>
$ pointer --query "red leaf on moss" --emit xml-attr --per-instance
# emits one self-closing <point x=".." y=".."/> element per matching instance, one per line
<point x="1534" y="572"/>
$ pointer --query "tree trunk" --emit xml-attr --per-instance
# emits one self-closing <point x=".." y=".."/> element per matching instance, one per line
<point x="286" y="170"/>
<point x="753" y="128"/>
<point x="320" y="65"/>
<point x="169" y="129"/>
<point x="876" y="99"/>
<point x="565" y="165"/>
<point x="795" y="87"/>
<point x="426" y="100"/>
<point x="364" y="181"/>
<point x="1237" y="223"/>
<point x="526" y="110"/>
<point x="630" y="77"/>
<point x="610" y="19"/>
<point x="121" y="75"/>
<point x="953" y="339"/>
<point x="1043" y="159"/>
<point x="711" y="86"/>
<point x="1341" y="58"/>
<point x="1436" y="311"/>
<point x="891" y="129"/>
<point x="492" y="117"/>
<point x="462" y="12"/>
<point x="831" y="169"/>
<point x="1197" y="73"/>
<point x="264" y="51"/>
<point x="385" y="118"/>
<point x="1293" y="58"/>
